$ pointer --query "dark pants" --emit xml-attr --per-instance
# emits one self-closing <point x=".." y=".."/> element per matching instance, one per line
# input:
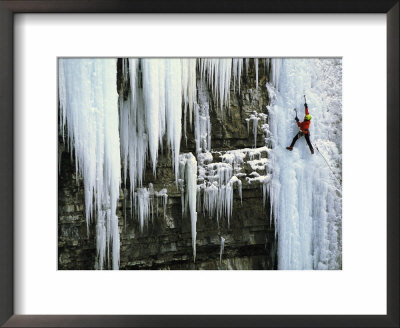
<point x="299" y="135"/>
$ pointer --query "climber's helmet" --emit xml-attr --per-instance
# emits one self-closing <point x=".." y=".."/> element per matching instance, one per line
<point x="308" y="117"/>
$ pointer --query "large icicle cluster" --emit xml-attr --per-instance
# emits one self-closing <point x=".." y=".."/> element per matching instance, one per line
<point x="89" y="110"/>
<point x="144" y="203"/>
<point x="217" y="190"/>
<point x="216" y="184"/>
<point x="218" y="73"/>
<point x="305" y="196"/>
<point x="253" y="157"/>
<point x="255" y="117"/>
<point x="159" y="89"/>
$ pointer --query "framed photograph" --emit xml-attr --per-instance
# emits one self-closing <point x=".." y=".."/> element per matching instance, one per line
<point x="215" y="164"/>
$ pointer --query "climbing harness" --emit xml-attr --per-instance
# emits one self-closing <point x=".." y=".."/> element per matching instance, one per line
<point x="340" y="181"/>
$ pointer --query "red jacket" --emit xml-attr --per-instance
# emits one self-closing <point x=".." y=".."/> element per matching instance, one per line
<point x="305" y="124"/>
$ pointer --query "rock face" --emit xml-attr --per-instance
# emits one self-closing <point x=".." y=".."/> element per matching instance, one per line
<point x="166" y="241"/>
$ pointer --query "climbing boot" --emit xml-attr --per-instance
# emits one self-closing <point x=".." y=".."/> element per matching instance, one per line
<point x="312" y="151"/>
<point x="289" y="148"/>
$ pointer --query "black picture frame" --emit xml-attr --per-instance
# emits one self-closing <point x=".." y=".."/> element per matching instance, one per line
<point x="10" y="7"/>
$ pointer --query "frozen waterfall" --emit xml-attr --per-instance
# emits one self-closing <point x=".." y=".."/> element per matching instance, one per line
<point x="305" y="195"/>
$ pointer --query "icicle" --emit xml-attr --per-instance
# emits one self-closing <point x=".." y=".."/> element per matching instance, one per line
<point x="162" y="90"/>
<point x="228" y="202"/>
<point x="221" y="251"/>
<point x="174" y="110"/>
<point x="188" y="178"/>
<point x="240" y="65"/>
<point x="143" y="206"/>
<point x="248" y="125"/>
<point x="265" y="182"/>
<point x="164" y="199"/>
<point x="210" y="198"/>
<point x="234" y="72"/>
<point x="62" y="97"/>
<point x="151" y="93"/>
<point x="255" y="117"/>
<point x="101" y="238"/>
<point x="247" y="60"/>
<point x="240" y="191"/>
<point x="190" y="165"/>
<point x="189" y="88"/>
<point x="276" y="64"/>
<point x="255" y="126"/>
<point x="202" y="120"/>
<point x="219" y="78"/>
<point x="235" y="179"/>
<point x="237" y="64"/>
<point x="197" y="132"/>
<point x="256" y="67"/>
<point x="224" y="172"/>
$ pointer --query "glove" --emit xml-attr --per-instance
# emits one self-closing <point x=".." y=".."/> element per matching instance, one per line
<point x="305" y="105"/>
<point x="297" y="119"/>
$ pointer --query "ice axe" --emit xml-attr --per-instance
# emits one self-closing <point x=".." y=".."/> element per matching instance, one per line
<point x="305" y="100"/>
<point x="296" y="112"/>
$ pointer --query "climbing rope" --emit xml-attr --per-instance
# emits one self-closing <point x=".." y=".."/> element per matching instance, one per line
<point x="340" y="181"/>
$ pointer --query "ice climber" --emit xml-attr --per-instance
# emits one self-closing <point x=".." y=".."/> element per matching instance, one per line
<point x="303" y="130"/>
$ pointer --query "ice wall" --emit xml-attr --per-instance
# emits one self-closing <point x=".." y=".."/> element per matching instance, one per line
<point x="305" y="195"/>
